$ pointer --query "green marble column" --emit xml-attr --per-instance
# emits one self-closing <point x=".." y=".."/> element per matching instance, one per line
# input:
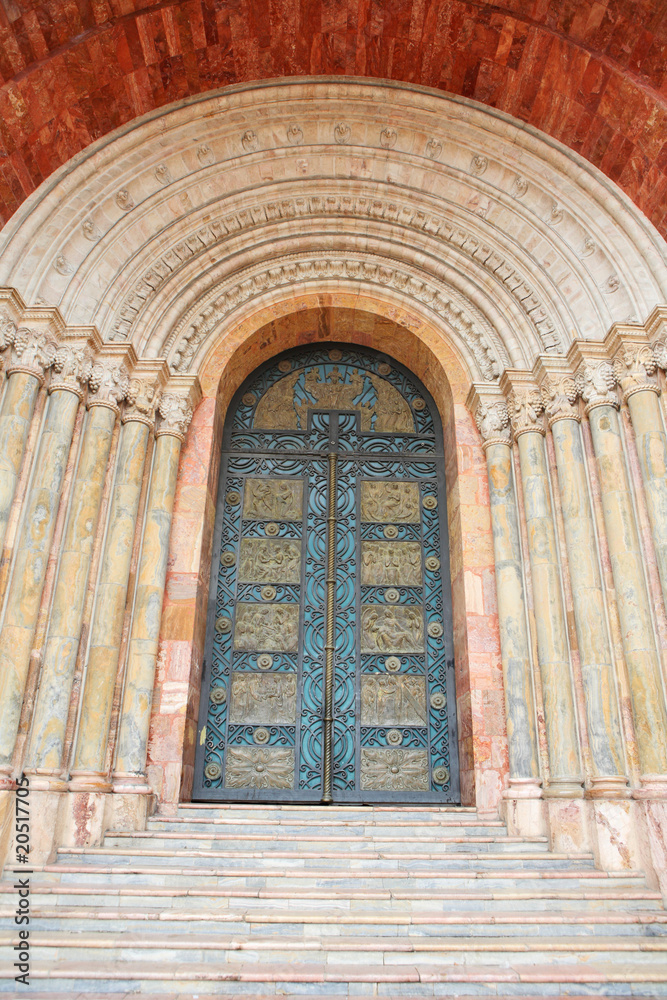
<point x="18" y="406"/>
<point x="50" y="718"/>
<point x="107" y="624"/>
<point x="129" y="773"/>
<point x="34" y="543"/>
<point x="597" y="668"/>
<point x="632" y="598"/>
<point x="566" y="778"/>
<point x="514" y="640"/>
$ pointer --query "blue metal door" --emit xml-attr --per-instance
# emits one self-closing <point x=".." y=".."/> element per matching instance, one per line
<point x="329" y="668"/>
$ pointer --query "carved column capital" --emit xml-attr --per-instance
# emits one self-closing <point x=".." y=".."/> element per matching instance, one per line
<point x="32" y="351"/>
<point x="596" y="383"/>
<point x="493" y="422"/>
<point x="525" y="406"/>
<point x="108" y="383"/>
<point x="560" y="394"/>
<point x="175" y="413"/>
<point x="634" y="368"/>
<point x="71" y="368"/>
<point x="142" y="398"/>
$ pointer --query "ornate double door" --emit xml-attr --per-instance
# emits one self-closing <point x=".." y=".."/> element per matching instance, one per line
<point x="329" y="668"/>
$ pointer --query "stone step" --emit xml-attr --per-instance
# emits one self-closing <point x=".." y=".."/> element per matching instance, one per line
<point x="215" y="840"/>
<point x="292" y="979"/>
<point x="379" y="923"/>
<point x="284" y="901"/>
<point x="301" y="825"/>
<point x="351" y="861"/>
<point x="360" y="949"/>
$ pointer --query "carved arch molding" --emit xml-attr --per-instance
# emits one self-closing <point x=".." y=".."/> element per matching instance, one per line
<point x="188" y="222"/>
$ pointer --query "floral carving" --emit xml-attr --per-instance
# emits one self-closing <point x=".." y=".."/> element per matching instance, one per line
<point x="108" y="384"/>
<point x="259" y="767"/>
<point x="175" y="414"/>
<point x="394" y="769"/>
<point x="294" y="135"/>
<point x="493" y="421"/>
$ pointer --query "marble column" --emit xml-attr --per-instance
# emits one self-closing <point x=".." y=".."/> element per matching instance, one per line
<point x="634" y="367"/>
<point x="493" y="423"/>
<point x="89" y="770"/>
<point x="129" y="774"/>
<point x="39" y="518"/>
<point x="632" y="598"/>
<point x="565" y="777"/>
<point x="597" y="667"/>
<point x="108" y="384"/>
<point x="31" y="354"/>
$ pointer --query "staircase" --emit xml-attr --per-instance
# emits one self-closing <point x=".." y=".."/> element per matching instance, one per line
<point x="262" y="901"/>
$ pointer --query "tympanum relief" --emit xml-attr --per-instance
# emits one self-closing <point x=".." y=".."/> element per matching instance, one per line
<point x="285" y="406"/>
<point x="391" y="564"/>
<point x="265" y="560"/>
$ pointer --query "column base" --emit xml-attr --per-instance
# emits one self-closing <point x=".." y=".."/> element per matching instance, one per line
<point x="132" y="784"/>
<point x="89" y="781"/>
<point x="612" y="786"/>
<point x="522" y="808"/>
<point x="43" y="779"/>
<point x="653" y="786"/>
<point x="565" y="788"/>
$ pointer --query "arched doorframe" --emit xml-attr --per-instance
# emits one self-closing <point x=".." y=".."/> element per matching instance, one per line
<point x="426" y="352"/>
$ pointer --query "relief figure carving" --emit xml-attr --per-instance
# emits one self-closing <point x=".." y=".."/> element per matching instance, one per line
<point x="267" y="628"/>
<point x="391" y="563"/>
<point x="273" y="500"/>
<point x="390" y="502"/>
<point x="393" y="700"/>
<point x="263" y="699"/>
<point x="391" y="629"/>
<point x="285" y="406"/>
<point x="265" y="560"/>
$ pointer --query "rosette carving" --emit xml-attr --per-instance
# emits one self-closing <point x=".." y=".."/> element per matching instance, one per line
<point x="175" y="415"/>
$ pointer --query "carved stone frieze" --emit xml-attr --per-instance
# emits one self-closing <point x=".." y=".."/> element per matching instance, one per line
<point x="493" y="422"/>
<point x="389" y="503"/>
<point x="273" y="500"/>
<point x="403" y="215"/>
<point x="391" y="629"/>
<point x="175" y="415"/>
<point x="596" y="383"/>
<point x="108" y="384"/>
<point x="393" y="700"/>
<point x="635" y="366"/>
<point x="270" y="560"/>
<point x="397" y="564"/>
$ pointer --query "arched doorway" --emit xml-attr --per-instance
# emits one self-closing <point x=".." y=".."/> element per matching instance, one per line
<point x="329" y="667"/>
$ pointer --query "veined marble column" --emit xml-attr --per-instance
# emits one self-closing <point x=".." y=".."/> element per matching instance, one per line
<point x="493" y="423"/>
<point x="597" y="668"/>
<point x="632" y="598"/>
<point x="129" y="773"/>
<point x="88" y="773"/>
<point x="566" y="778"/>
<point x="108" y="385"/>
<point x="32" y="555"/>
<point x="31" y="354"/>
<point x="634" y="366"/>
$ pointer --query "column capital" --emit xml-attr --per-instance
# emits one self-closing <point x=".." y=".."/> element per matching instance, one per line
<point x="147" y="381"/>
<point x="594" y="376"/>
<point x="559" y="388"/>
<point x="71" y="368"/>
<point x="32" y="351"/>
<point x="633" y="359"/>
<point x="525" y="404"/>
<point x="489" y="409"/>
<point x="177" y="405"/>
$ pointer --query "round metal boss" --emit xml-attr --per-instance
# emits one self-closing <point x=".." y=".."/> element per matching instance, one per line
<point x="261" y="735"/>
<point x="432" y="563"/>
<point x="212" y="771"/>
<point x="218" y="695"/>
<point x="438" y="701"/>
<point x="392" y="664"/>
<point x="418" y="404"/>
<point x="384" y="369"/>
<point x="390" y="531"/>
<point x="271" y="528"/>
<point x="248" y="399"/>
<point x="394" y="737"/>
<point x="335" y="355"/>
<point x="265" y="662"/>
<point x="435" y="630"/>
<point x="391" y="595"/>
<point x="233" y="497"/>
<point x="284" y="366"/>
<point x="269" y="593"/>
<point x="227" y="558"/>
<point x="430" y="502"/>
<point x="440" y="775"/>
<point x="223" y="624"/>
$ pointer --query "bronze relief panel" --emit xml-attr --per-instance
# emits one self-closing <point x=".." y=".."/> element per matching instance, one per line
<point x="391" y="629"/>
<point x="265" y="560"/>
<point x="391" y="564"/>
<point x="267" y="628"/>
<point x="273" y="500"/>
<point x="398" y="700"/>
<point x="390" y="503"/>
<point x="263" y="699"/>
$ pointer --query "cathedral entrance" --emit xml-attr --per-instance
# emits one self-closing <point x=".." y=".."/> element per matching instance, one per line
<point x="329" y="666"/>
